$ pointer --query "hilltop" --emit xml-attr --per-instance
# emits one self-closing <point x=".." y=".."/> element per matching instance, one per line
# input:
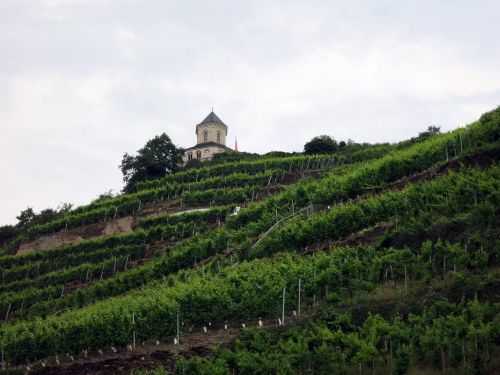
<point x="381" y="259"/>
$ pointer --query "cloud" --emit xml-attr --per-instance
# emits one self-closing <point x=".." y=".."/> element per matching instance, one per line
<point x="82" y="82"/>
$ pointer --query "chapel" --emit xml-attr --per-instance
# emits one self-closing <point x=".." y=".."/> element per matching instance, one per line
<point x="211" y="136"/>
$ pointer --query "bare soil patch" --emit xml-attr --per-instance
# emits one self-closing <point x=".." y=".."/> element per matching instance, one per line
<point x="121" y="225"/>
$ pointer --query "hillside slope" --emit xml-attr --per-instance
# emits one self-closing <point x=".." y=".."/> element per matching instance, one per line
<point x="385" y="261"/>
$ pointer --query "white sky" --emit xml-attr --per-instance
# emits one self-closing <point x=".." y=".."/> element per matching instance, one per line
<point x="83" y="81"/>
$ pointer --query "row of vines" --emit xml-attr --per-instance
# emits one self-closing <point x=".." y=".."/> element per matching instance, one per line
<point x="216" y="292"/>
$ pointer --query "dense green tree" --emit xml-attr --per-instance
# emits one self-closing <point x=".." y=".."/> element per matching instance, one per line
<point x="323" y="144"/>
<point x="25" y="217"/>
<point x="158" y="157"/>
<point x="7" y="232"/>
<point x="431" y="130"/>
<point x="29" y="217"/>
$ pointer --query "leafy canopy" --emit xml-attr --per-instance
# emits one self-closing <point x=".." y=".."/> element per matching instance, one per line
<point x="323" y="144"/>
<point x="158" y="157"/>
<point x="431" y="130"/>
<point x="28" y="217"/>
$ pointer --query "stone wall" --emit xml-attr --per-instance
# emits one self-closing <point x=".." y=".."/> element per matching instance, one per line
<point x="206" y="153"/>
<point x="212" y="130"/>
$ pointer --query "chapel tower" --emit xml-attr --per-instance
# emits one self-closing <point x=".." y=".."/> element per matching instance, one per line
<point x="212" y="129"/>
<point x="211" y="136"/>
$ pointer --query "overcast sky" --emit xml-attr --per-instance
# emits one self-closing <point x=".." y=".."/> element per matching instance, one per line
<point x="82" y="81"/>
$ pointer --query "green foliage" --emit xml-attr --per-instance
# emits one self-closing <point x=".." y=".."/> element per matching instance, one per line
<point x="202" y="192"/>
<point x="385" y="347"/>
<point x="158" y="370"/>
<point x="457" y="190"/>
<point x="242" y="292"/>
<point x="212" y="215"/>
<point x="25" y="217"/>
<point x="104" y="197"/>
<point x="7" y="233"/>
<point x="28" y="218"/>
<point x="431" y="131"/>
<point x="220" y="196"/>
<point x="212" y="269"/>
<point x="158" y="157"/>
<point x="201" y="366"/>
<point x="323" y="144"/>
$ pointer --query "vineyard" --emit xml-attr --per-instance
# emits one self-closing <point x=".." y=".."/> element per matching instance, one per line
<point x="380" y="261"/>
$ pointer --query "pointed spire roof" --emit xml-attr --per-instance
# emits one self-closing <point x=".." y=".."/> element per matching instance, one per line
<point x="212" y="117"/>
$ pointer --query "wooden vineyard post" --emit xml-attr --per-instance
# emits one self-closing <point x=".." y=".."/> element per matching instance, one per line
<point x="444" y="267"/>
<point x="314" y="280"/>
<point x="446" y="148"/>
<point x="178" y="330"/>
<point x="406" y="282"/>
<point x="8" y="311"/>
<point x="283" y="307"/>
<point x="298" y="307"/>
<point x="133" y="324"/>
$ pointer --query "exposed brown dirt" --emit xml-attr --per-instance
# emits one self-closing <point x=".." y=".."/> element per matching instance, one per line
<point x="121" y="225"/>
<point x="48" y="241"/>
<point x="72" y="235"/>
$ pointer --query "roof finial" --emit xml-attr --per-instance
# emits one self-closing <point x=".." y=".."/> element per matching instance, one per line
<point x="212" y="109"/>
